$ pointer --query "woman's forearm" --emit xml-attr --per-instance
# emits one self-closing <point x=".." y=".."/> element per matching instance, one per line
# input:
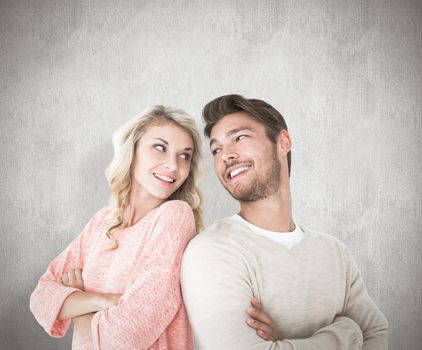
<point x="81" y="303"/>
<point x="83" y="323"/>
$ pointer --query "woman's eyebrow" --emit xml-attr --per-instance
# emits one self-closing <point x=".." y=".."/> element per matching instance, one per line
<point x="164" y="141"/>
<point x="159" y="138"/>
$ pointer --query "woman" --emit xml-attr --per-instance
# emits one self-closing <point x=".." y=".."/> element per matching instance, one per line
<point x="118" y="281"/>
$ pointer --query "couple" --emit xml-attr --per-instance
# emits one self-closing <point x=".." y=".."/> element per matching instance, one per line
<point x="255" y="280"/>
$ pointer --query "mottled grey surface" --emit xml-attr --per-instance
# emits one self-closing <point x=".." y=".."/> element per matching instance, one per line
<point x="346" y="75"/>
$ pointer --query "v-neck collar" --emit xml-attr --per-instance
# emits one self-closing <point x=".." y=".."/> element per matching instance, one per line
<point x="141" y="220"/>
<point x="294" y="251"/>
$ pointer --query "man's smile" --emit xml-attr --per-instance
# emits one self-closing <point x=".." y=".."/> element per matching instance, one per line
<point x="236" y="171"/>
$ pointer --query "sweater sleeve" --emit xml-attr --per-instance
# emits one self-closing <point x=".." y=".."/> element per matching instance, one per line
<point x="360" y="307"/>
<point x="343" y="333"/>
<point x="217" y="292"/>
<point x="152" y="297"/>
<point x="48" y="297"/>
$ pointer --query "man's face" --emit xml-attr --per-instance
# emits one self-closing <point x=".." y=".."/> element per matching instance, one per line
<point x="245" y="160"/>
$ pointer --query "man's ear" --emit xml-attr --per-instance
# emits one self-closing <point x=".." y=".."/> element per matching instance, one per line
<point x="284" y="143"/>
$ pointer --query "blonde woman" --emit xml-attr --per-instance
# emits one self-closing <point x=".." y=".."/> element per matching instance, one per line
<point x="118" y="281"/>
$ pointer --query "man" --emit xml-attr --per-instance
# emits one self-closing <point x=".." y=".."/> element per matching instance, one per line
<point x="308" y="282"/>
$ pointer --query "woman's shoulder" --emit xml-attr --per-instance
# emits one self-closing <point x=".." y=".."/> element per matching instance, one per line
<point x="99" y="219"/>
<point x="102" y="213"/>
<point x="175" y="210"/>
<point x="176" y="204"/>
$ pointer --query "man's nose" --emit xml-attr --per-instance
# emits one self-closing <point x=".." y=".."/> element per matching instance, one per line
<point x="229" y="155"/>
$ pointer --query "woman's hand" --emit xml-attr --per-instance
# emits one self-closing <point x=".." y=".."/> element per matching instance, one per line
<point x="109" y="300"/>
<point x="261" y="322"/>
<point x="83" y="323"/>
<point x="73" y="278"/>
<point x="81" y="303"/>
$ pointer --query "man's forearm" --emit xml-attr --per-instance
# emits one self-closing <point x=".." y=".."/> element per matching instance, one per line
<point x="377" y="338"/>
<point x="343" y="333"/>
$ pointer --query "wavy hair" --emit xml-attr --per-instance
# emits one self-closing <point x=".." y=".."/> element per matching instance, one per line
<point x="119" y="172"/>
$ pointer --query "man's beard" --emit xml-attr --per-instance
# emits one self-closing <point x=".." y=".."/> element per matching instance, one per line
<point x="262" y="186"/>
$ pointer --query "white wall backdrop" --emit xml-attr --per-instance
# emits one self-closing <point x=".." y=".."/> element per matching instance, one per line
<point x="347" y="76"/>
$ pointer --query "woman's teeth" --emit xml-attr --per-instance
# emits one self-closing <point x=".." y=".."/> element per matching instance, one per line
<point x="164" y="178"/>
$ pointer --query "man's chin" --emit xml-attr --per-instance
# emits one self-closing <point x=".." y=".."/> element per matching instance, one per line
<point x="248" y="195"/>
<point x="241" y="195"/>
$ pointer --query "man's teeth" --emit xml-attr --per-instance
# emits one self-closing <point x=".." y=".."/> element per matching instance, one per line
<point x="164" y="178"/>
<point x="237" y="171"/>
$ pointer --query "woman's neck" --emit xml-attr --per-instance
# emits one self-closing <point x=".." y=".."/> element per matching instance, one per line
<point x="140" y="204"/>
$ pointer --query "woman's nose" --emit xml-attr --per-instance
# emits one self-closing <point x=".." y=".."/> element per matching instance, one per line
<point x="171" y="163"/>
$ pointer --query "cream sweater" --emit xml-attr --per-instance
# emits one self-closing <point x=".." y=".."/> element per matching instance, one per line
<point x="314" y="292"/>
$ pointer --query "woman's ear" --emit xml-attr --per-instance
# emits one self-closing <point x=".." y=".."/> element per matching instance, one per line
<point x="284" y="143"/>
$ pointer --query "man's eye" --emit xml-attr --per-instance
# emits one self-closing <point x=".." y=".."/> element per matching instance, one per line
<point x="215" y="151"/>
<point x="238" y="138"/>
<point x="160" y="148"/>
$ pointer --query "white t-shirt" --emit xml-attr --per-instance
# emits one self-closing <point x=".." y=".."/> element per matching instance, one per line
<point x="289" y="239"/>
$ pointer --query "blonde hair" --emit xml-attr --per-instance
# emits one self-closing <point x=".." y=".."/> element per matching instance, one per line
<point x="119" y="172"/>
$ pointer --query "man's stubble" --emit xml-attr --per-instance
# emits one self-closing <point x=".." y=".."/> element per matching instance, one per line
<point x="262" y="185"/>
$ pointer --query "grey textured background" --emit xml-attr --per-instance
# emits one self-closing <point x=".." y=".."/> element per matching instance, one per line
<point x="345" y="74"/>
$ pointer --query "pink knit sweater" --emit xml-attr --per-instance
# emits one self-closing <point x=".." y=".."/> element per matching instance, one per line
<point x="145" y="268"/>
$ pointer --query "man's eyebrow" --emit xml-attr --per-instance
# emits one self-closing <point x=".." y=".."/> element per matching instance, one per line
<point x="212" y="141"/>
<point x="231" y="132"/>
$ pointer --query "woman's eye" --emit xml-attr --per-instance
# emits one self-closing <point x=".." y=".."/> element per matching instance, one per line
<point x="185" y="156"/>
<point x="160" y="148"/>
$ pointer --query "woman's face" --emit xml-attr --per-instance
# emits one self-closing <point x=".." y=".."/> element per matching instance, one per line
<point x="162" y="161"/>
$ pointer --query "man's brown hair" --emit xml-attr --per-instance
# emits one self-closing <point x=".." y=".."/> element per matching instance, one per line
<point x="261" y="111"/>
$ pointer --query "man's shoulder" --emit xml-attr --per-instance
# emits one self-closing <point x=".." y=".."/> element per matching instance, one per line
<point x="219" y="231"/>
<point x="325" y="241"/>
<point x="219" y="240"/>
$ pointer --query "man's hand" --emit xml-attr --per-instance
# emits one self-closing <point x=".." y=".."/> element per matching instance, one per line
<point x="261" y="322"/>
<point x="73" y="278"/>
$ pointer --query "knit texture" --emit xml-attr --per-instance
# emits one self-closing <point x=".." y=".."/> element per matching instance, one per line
<point x="145" y="268"/>
<point x="304" y="290"/>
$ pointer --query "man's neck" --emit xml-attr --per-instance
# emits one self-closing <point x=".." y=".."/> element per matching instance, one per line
<point x="273" y="213"/>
